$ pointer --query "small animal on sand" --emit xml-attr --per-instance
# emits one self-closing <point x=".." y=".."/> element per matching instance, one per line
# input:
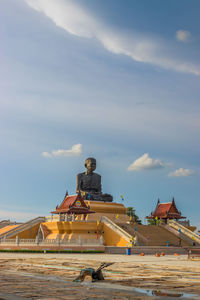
<point x="95" y="275"/>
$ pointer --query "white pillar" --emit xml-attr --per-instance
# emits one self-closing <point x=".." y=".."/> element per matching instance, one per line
<point x="101" y="240"/>
<point x="37" y="240"/>
<point x="17" y="240"/>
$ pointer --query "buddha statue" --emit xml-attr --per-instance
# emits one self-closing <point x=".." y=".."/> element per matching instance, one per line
<point x="89" y="183"/>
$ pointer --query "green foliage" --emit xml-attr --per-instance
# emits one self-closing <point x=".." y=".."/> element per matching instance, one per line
<point x="151" y="222"/>
<point x="154" y="222"/>
<point x="131" y="213"/>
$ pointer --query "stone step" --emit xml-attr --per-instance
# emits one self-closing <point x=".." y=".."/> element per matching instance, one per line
<point x="155" y="235"/>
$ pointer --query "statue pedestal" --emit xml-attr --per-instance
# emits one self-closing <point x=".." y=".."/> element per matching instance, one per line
<point x="114" y="211"/>
<point x="90" y="230"/>
<point x="106" y="207"/>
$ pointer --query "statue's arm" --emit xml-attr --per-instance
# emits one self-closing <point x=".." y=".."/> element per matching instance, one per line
<point x="78" y="182"/>
<point x="99" y="184"/>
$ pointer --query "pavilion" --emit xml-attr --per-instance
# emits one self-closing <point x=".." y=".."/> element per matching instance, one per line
<point x="72" y="206"/>
<point x="166" y="211"/>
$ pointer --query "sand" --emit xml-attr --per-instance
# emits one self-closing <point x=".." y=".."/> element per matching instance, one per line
<point x="50" y="276"/>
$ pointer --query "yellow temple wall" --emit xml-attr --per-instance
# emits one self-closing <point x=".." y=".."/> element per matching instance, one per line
<point x="106" y="207"/>
<point x="117" y="218"/>
<point x="114" y="211"/>
<point x="79" y="229"/>
<point x="30" y="233"/>
<point x="111" y="238"/>
<point x="192" y="228"/>
<point x="76" y="230"/>
<point x="73" y="230"/>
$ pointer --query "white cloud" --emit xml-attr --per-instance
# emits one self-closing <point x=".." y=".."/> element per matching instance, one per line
<point x="183" y="35"/>
<point x="181" y="173"/>
<point x="76" y="150"/>
<point x="46" y="154"/>
<point x="72" y="18"/>
<point x="145" y="162"/>
<point x="67" y="15"/>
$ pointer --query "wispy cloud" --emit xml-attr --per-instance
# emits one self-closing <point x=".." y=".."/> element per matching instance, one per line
<point x="75" y="20"/>
<point x="76" y="150"/>
<point x="183" y="35"/>
<point x="145" y="163"/>
<point x="181" y="173"/>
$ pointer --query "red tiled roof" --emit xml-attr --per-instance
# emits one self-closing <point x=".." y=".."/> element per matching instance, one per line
<point x="162" y="209"/>
<point x="67" y="202"/>
<point x="70" y="205"/>
<point x="166" y="210"/>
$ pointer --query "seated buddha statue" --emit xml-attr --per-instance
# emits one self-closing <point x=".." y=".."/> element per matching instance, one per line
<point x="89" y="183"/>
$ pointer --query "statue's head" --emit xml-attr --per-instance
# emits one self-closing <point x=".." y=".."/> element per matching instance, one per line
<point x="90" y="164"/>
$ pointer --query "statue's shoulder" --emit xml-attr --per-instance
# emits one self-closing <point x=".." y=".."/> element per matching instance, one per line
<point x="97" y="175"/>
<point x="80" y="175"/>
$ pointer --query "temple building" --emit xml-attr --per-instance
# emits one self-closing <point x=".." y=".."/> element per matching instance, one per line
<point x="86" y="222"/>
<point x="71" y="207"/>
<point x="166" y="211"/>
<point x="91" y="220"/>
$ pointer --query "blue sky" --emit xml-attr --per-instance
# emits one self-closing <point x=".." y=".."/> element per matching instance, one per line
<point x="116" y="80"/>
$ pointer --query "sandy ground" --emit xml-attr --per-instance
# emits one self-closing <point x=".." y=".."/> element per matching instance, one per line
<point x="50" y="276"/>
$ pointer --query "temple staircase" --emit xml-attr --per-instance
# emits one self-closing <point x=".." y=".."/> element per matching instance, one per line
<point x="4" y="223"/>
<point x="183" y="232"/>
<point x="152" y="235"/>
<point x="130" y="228"/>
<point x="122" y="235"/>
<point x="10" y="233"/>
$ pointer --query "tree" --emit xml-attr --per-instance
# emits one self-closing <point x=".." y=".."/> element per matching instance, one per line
<point x="131" y="213"/>
<point x="151" y="222"/>
<point x="154" y="221"/>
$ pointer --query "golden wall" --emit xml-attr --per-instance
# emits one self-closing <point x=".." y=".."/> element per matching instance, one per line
<point x="84" y="230"/>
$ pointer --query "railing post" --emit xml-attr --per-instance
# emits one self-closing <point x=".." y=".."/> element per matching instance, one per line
<point x="79" y="241"/>
<point x="37" y="240"/>
<point x="17" y="240"/>
<point x="101" y="240"/>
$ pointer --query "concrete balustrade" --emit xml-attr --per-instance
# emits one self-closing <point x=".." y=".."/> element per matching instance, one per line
<point x="23" y="228"/>
<point x="115" y="234"/>
<point x="53" y="242"/>
<point x="184" y="231"/>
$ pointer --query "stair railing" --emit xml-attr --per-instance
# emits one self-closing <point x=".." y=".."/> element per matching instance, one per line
<point x="24" y="226"/>
<point x="185" y="231"/>
<point x="117" y="229"/>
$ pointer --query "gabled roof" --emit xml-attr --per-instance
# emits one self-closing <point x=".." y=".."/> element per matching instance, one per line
<point x="73" y="204"/>
<point x="166" y="210"/>
<point x="67" y="202"/>
<point x="162" y="209"/>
